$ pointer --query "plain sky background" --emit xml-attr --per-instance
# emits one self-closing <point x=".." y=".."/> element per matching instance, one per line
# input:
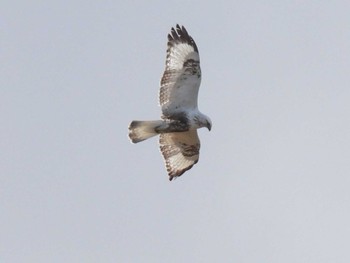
<point x="272" y="183"/>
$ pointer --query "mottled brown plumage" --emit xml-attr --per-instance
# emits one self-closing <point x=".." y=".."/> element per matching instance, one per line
<point x="178" y="95"/>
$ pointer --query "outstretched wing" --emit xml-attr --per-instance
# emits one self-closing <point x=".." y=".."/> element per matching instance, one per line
<point x="180" y="151"/>
<point x="182" y="76"/>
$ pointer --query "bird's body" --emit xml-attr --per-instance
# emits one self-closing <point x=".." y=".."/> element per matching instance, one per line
<point x="179" y="142"/>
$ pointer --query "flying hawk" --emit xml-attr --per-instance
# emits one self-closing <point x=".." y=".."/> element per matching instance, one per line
<point x="178" y="138"/>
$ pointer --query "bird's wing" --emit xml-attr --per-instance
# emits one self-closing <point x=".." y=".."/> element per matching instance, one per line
<point x="182" y="76"/>
<point x="180" y="151"/>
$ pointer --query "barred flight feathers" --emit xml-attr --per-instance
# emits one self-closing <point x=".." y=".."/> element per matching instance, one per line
<point x="178" y="98"/>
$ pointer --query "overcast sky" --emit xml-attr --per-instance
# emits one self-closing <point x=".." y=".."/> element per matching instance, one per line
<point x="272" y="183"/>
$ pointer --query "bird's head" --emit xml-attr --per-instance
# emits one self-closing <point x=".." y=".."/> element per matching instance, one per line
<point x="203" y="121"/>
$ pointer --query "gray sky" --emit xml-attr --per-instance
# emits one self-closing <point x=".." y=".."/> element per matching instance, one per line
<point x="272" y="183"/>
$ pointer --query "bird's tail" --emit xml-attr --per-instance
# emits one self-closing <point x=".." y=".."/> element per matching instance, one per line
<point x="142" y="130"/>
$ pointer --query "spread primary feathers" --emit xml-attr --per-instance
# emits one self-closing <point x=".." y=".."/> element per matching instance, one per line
<point x="179" y="142"/>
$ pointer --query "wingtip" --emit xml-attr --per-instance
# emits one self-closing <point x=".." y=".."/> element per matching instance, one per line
<point x="180" y="34"/>
<point x="184" y="30"/>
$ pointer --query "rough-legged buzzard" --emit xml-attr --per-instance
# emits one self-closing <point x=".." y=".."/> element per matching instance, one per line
<point x="179" y="142"/>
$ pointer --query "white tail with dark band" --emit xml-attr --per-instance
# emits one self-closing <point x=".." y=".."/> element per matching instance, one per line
<point x="142" y="130"/>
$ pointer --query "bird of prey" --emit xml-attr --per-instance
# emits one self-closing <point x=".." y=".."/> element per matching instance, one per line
<point x="177" y="129"/>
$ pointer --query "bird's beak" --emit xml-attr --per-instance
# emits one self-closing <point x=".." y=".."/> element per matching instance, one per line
<point x="209" y="125"/>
